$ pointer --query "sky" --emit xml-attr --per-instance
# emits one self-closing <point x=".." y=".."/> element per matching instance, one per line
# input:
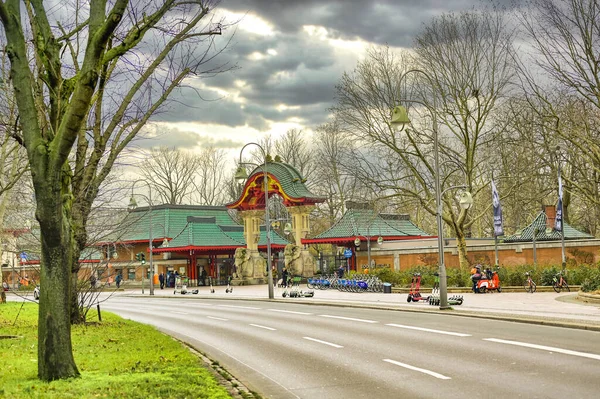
<point x="289" y="55"/>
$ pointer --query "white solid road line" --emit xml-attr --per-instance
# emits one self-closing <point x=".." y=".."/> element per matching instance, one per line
<point x="216" y="318"/>
<point x="266" y="328"/>
<point x="238" y="307"/>
<point x="323" y="342"/>
<point x="429" y="330"/>
<point x="545" y="348"/>
<point x="408" y="366"/>
<point x="348" y="318"/>
<point x="289" y="311"/>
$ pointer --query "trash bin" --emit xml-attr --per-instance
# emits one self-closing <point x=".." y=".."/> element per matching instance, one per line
<point x="387" y="288"/>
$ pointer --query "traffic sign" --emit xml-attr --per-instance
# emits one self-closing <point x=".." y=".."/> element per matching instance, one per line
<point x="348" y="253"/>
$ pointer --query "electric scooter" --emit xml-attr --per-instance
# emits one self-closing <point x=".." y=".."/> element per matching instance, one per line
<point x="415" y="295"/>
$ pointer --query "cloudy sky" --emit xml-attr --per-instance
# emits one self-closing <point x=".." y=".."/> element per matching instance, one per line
<point x="290" y="54"/>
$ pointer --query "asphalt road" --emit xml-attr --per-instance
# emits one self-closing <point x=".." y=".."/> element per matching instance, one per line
<point x="287" y="350"/>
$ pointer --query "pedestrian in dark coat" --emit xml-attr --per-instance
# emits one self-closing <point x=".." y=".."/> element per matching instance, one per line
<point x="285" y="275"/>
<point x="161" y="279"/>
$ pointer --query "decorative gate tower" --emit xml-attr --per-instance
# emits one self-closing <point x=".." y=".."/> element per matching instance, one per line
<point x="285" y="181"/>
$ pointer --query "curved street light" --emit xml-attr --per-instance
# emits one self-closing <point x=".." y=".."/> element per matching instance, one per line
<point x="241" y="174"/>
<point x="400" y="117"/>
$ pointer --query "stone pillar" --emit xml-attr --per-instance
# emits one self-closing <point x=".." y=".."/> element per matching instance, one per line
<point x="252" y="266"/>
<point x="300" y="224"/>
<point x="252" y="221"/>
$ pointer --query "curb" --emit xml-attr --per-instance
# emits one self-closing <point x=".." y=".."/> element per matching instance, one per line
<point x="589" y="298"/>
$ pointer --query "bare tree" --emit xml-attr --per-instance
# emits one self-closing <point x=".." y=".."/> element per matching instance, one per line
<point x="331" y="150"/>
<point x="211" y="176"/>
<point x="468" y="59"/>
<point x="560" y="81"/>
<point x="98" y="74"/>
<point x="171" y="173"/>
<point x="293" y="149"/>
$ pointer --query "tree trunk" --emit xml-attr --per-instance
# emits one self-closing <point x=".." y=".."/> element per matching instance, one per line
<point x="461" y="245"/>
<point x="55" y="352"/>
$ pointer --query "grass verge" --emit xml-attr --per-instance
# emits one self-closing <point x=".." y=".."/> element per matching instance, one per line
<point x="117" y="358"/>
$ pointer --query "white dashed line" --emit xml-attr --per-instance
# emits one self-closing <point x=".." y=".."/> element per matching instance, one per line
<point x="323" y="342"/>
<point x="420" y="370"/>
<point x="239" y="307"/>
<point x="348" y="318"/>
<point x="545" y="348"/>
<point x="429" y="330"/>
<point x="289" y="311"/>
<point x="266" y="328"/>
<point x="216" y="318"/>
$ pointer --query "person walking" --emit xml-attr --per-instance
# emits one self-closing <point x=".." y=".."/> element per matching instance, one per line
<point x="341" y="271"/>
<point x="284" y="275"/>
<point x="92" y="281"/>
<point x="161" y="279"/>
<point x="118" y="280"/>
<point x="203" y="277"/>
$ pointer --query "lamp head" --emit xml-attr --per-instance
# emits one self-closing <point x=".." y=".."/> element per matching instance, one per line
<point x="357" y="242"/>
<point x="400" y="116"/>
<point x="466" y="200"/>
<point x="132" y="204"/>
<point x="287" y="229"/>
<point x="241" y="174"/>
<point x="379" y="240"/>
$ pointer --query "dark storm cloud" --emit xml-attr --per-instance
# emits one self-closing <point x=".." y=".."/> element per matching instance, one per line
<point x="383" y="21"/>
<point x="305" y="69"/>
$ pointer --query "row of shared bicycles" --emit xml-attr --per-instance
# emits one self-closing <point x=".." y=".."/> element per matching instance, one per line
<point x="354" y="284"/>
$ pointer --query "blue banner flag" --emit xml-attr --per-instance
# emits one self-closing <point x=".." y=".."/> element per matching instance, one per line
<point x="498" y="230"/>
<point x="558" y="222"/>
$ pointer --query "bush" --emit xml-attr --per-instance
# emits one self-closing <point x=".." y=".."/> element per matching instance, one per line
<point x="584" y="275"/>
<point x="592" y="281"/>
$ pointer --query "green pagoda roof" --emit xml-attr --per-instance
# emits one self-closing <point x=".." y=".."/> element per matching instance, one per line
<point x="189" y="227"/>
<point x="544" y="233"/>
<point x="284" y="180"/>
<point x="360" y="221"/>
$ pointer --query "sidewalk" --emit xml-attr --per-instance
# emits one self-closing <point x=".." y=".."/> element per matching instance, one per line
<point x="547" y="308"/>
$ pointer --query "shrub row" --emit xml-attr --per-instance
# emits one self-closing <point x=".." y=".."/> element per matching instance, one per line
<point x="588" y="276"/>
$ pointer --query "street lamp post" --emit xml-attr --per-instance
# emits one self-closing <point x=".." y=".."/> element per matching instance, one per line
<point x="400" y="116"/>
<point x="132" y="206"/>
<point x="242" y="175"/>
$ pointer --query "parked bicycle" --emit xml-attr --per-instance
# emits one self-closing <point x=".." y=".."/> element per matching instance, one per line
<point x="559" y="283"/>
<point x="529" y="285"/>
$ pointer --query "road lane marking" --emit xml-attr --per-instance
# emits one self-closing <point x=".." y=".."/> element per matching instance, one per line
<point x="348" y="318"/>
<point x="408" y="366"/>
<point x="429" y="330"/>
<point x="266" y="328"/>
<point x="174" y="311"/>
<point x="323" y="342"/>
<point x="216" y="318"/>
<point x="239" y="307"/>
<point x="289" y="311"/>
<point x="545" y="348"/>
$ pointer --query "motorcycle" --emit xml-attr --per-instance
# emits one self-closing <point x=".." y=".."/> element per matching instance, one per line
<point x="489" y="282"/>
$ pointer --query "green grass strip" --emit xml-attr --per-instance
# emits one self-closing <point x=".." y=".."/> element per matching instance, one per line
<point x="117" y="358"/>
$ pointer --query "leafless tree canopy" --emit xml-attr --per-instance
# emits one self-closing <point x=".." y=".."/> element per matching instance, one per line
<point x="171" y="174"/>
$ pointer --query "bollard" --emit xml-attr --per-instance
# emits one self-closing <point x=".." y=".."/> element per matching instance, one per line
<point x="99" y="315"/>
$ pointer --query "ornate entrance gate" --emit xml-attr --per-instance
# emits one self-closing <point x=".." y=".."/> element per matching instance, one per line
<point x="283" y="180"/>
